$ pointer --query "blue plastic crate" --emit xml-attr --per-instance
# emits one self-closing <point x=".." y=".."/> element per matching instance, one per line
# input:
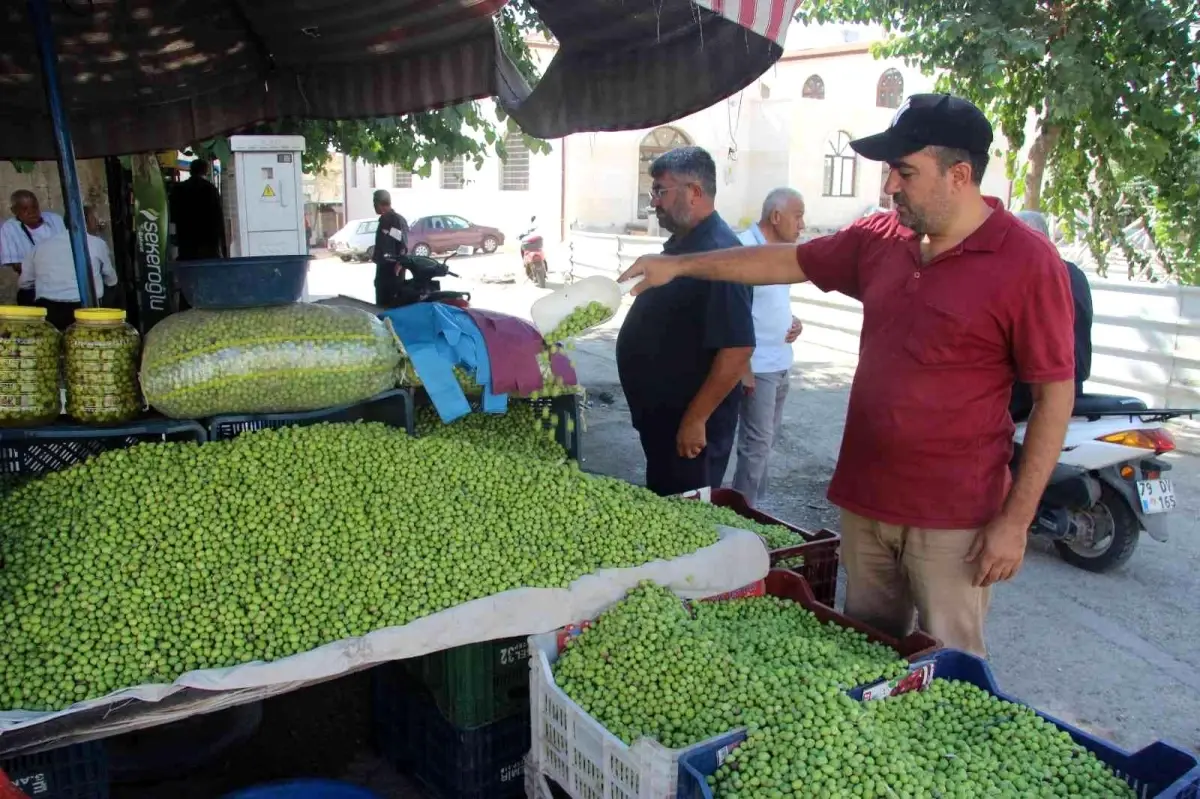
<point x="393" y="407"/>
<point x="222" y="283"/>
<point x="1158" y="771"/>
<point x="304" y="789"/>
<point x="78" y="771"/>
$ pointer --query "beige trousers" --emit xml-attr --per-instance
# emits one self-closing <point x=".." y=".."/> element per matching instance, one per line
<point x="901" y="577"/>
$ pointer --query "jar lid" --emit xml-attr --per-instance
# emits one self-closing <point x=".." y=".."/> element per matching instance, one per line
<point x="99" y="315"/>
<point x="23" y="311"/>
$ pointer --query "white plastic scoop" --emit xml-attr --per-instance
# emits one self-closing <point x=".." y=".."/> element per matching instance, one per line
<point x="549" y="312"/>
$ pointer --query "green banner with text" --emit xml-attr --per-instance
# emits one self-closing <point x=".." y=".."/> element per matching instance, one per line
<point x="150" y="229"/>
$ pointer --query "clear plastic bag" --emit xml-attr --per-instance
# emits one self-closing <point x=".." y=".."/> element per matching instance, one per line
<point x="280" y="359"/>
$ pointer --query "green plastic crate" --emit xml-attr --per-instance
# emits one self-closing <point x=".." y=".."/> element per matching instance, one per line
<point x="479" y="683"/>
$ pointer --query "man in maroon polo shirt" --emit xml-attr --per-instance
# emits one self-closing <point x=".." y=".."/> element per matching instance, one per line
<point x="959" y="301"/>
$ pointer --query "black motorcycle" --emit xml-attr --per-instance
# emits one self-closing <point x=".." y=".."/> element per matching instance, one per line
<point x="419" y="281"/>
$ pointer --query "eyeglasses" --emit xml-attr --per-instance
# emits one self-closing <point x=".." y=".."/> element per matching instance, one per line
<point x="658" y="192"/>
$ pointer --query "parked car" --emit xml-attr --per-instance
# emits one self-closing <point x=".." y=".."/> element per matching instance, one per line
<point x="431" y="235"/>
<point x="355" y="241"/>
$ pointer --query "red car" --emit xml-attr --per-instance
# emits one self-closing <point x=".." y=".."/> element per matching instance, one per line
<point x="430" y="235"/>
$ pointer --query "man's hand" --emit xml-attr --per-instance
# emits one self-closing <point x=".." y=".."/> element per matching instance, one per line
<point x="691" y="439"/>
<point x="997" y="551"/>
<point x="793" y="331"/>
<point x="748" y="384"/>
<point x="657" y="270"/>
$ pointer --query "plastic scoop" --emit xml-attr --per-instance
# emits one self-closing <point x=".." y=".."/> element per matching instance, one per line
<point x="549" y="312"/>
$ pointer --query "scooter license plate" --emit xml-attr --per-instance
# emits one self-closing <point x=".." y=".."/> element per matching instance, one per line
<point x="1158" y="496"/>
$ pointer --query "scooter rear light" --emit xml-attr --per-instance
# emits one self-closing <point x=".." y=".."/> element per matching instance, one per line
<point x="1157" y="439"/>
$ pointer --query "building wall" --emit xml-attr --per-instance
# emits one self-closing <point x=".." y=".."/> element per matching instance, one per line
<point x="767" y="135"/>
<point x="480" y="201"/>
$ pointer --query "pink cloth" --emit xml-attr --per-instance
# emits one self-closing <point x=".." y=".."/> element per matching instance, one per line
<point x="513" y="346"/>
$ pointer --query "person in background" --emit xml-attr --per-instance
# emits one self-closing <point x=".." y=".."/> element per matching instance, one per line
<point x="765" y="386"/>
<point x="29" y="226"/>
<point x="391" y="242"/>
<point x="1081" y="294"/>
<point x="684" y="348"/>
<point x="49" y="272"/>
<point x="198" y="217"/>
<point x="960" y="300"/>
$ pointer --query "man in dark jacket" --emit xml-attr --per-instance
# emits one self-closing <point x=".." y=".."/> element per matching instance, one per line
<point x="391" y="242"/>
<point x="1081" y="293"/>
<point x="683" y="348"/>
<point x="198" y="217"/>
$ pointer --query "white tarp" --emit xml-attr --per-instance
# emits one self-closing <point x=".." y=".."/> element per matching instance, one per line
<point x="737" y="559"/>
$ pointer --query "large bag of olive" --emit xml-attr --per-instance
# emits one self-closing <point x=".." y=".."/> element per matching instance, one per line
<point x="286" y="358"/>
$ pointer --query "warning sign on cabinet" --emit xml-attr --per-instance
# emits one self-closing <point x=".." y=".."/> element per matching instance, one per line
<point x="268" y="192"/>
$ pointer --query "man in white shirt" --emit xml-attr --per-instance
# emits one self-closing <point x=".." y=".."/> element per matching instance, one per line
<point x="29" y="226"/>
<point x="49" y="270"/>
<point x="766" y="386"/>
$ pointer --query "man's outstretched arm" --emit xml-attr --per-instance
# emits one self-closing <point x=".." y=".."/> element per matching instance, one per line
<point x="767" y="265"/>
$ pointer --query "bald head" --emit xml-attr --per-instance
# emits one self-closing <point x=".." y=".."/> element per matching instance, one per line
<point x="782" y="216"/>
<point x="1035" y="220"/>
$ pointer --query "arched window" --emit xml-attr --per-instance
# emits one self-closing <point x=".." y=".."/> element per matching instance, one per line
<point x="890" y="91"/>
<point x="814" y="88"/>
<point x="657" y="142"/>
<point x="840" y="166"/>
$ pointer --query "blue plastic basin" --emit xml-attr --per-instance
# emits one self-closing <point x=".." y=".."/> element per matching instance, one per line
<point x="223" y="283"/>
<point x="304" y="789"/>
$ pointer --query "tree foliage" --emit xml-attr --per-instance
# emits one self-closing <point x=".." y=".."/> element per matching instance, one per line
<point x="1111" y="88"/>
<point x="414" y="141"/>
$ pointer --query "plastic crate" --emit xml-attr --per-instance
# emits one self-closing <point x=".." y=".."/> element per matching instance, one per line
<point x="539" y="786"/>
<point x="1158" y="771"/>
<point x="304" y="789"/>
<point x="222" y="283"/>
<point x="820" y="552"/>
<point x="564" y="412"/>
<point x="393" y="407"/>
<point x="576" y="750"/>
<point x="79" y="771"/>
<point x="37" y="451"/>
<point x="414" y="737"/>
<point x="476" y="684"/>
<point x="166" y="751"/>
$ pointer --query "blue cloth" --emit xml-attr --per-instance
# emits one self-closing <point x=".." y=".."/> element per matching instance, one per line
<point x="438" y="337"/>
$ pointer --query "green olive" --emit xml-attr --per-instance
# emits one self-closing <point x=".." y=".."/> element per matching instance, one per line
<point x="266" y="360"/>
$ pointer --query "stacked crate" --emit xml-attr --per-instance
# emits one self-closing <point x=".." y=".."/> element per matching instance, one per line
<point x="458" y="720"/>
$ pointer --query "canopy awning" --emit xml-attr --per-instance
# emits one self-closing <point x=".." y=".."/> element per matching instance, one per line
<point x="149" y="75"/>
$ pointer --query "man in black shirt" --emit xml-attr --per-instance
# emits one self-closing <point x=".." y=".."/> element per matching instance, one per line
<point x="685" y="346"/>
<point x="391" y="239"/>
<point x="1081" y="292"/>
<point x="199" y="220"/>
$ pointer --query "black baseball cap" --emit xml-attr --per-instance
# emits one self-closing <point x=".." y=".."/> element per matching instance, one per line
<point x="929" y="120"/>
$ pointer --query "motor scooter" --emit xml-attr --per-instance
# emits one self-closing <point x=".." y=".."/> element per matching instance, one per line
<point x="424" y="284"/>
<point x="1108" y="485"/>
<point x="533" y="253"/>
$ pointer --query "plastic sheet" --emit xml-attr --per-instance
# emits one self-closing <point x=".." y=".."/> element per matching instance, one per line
<point x="736" y="560"/>
<point x="282" y="359"/>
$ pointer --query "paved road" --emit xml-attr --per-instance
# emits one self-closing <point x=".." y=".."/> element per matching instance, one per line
<point x="1116" y="653"/>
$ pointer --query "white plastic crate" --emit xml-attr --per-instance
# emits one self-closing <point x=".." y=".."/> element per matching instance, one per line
<point x="578" y="753"/>
<point x="536" y="786"/>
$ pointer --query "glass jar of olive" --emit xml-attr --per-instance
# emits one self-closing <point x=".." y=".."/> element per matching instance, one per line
<point x="101" y="356"/>
<point x="29" y="367"/>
